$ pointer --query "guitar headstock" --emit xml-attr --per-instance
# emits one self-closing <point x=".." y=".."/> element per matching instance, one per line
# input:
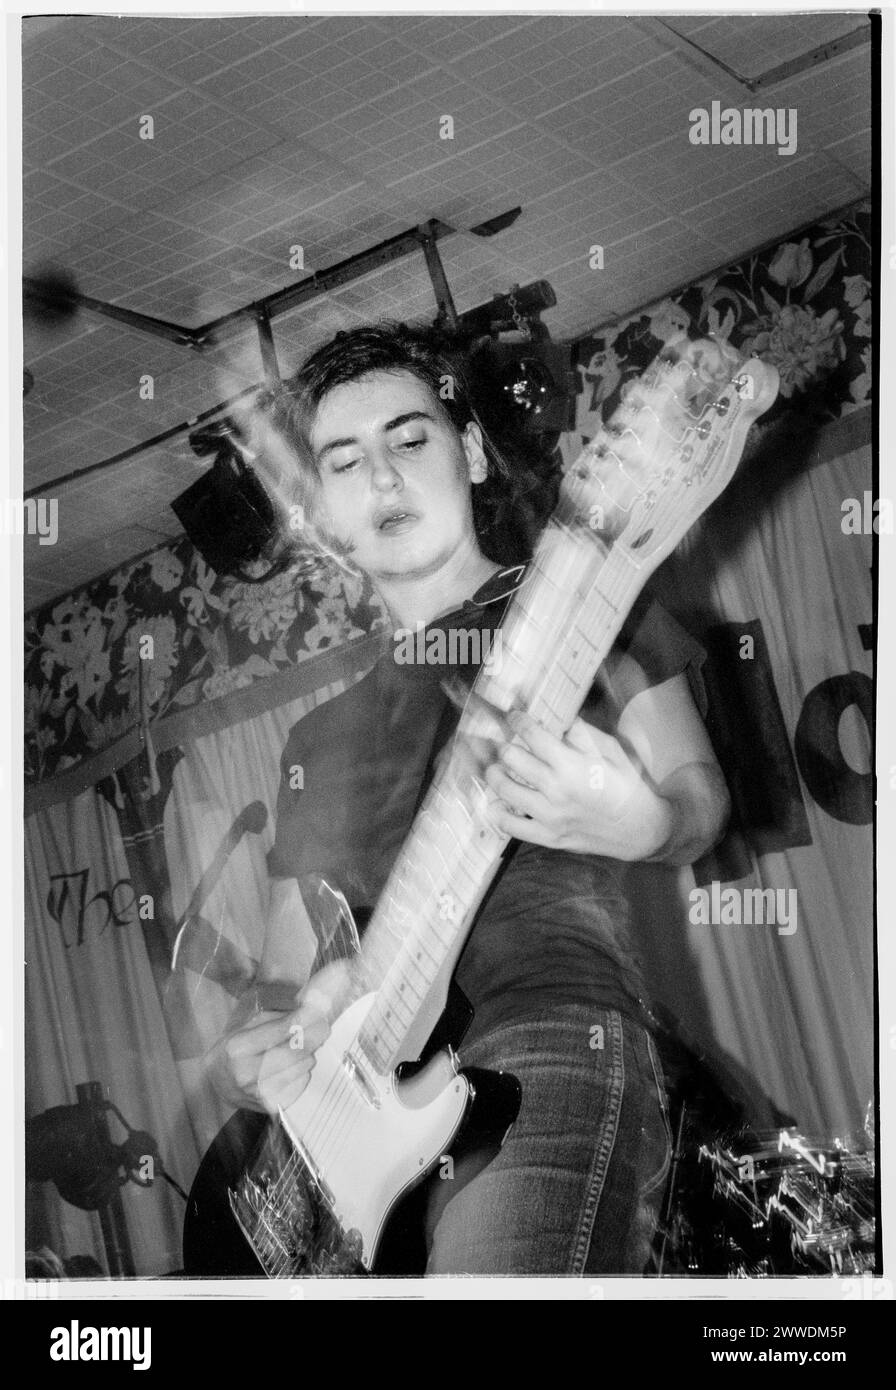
<point x="668" y="451"/>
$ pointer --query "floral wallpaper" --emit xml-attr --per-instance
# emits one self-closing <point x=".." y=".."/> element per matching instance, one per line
<point x="210" y="636"/>
<point x="804" y="305"/>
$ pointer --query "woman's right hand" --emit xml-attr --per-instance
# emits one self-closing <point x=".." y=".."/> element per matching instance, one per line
<point x="265" y="1062"/>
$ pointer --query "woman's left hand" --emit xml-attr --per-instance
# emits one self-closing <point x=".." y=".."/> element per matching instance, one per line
<point x="580" y="793"/>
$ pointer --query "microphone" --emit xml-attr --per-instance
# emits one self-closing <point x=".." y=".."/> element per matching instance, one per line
<point x="250" y="821"/>
<point x="254" y="818"/>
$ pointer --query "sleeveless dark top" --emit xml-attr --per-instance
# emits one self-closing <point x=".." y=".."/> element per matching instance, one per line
<point x="554" y="927"/>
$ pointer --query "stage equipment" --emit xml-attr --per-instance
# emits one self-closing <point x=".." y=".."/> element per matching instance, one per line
<point x="771" y="1204"/>
<point x="71" y="1146"/>
<point x="228" y="514"/>
<point x="533" y="374"/>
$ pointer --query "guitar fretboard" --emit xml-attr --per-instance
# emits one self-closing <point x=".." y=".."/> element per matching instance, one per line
<point x="559" y="629"/>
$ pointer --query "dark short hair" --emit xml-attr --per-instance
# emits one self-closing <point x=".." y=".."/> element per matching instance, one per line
<point x="512" y="503"/>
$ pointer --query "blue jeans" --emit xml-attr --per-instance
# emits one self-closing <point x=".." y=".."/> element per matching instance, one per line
<point x="576" y="1187"/>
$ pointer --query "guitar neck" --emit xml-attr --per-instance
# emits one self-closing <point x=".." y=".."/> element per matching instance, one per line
<point x="560" y="627"/>
<point x="560" y="630"/>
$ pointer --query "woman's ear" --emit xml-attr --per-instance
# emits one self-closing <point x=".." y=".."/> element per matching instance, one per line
<point x="476" y="460"/>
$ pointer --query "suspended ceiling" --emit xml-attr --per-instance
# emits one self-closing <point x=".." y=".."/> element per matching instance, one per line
<point x="324" y="132"/>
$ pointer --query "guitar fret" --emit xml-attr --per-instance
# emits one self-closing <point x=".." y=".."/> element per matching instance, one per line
<point x="396" y="1008"/>
<point x="458" y="879"/>
<point x="437" y="849"/>
<point x="413" y="973"/>
<point x="545" y="575"/>
<point x="383" y="1026"/>
<point x="377" y="1054"/>
<point x="406" y="983"/>
<point x="531" y="622"/>
<point x="425" y="872"/>
<point x="562" y="672"/>
<point x="419" y="942"/>
<point x="432" y="927"/>
<point x="424" y="951"/>
<point x="454" y="863"/>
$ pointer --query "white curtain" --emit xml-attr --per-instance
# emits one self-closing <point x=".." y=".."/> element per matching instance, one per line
<point x="93" y="1014"/>
<point x="93" y="1011"/>
<point x="794" y="1010"/>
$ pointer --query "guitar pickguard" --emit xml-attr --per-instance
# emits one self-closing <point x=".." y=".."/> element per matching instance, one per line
<point x="230" y="1200"/>
<point x="256" y="1208"/>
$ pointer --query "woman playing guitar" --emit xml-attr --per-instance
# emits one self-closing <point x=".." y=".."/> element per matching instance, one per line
<point x="399" y="476"/>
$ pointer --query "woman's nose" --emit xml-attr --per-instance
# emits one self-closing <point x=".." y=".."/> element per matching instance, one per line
<point x="386" y="477"/>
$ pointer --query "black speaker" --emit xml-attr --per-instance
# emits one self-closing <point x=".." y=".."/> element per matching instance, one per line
<point x="228" y="515"/>
<point x="537" y="382"/>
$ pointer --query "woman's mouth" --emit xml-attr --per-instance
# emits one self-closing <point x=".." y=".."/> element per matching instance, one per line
<point x="395" y="520"/>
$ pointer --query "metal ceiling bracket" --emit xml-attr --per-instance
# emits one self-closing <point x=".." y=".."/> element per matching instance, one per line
<point x="281" y="301"/>
<point x="706" y="61"/>
<point x="267" y="347"/>
<point x="441" y="289"/>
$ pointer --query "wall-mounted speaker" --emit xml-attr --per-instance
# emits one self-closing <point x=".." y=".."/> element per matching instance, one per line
<point x="227" y="513"/>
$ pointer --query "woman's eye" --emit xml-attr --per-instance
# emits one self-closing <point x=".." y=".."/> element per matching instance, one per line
<point x="411" y="443"/>
<point x="345" y="467"/>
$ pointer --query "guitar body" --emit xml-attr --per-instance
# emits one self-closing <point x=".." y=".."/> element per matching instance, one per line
<point x="214" y="1246"/>
<point x="259" y="1205"/>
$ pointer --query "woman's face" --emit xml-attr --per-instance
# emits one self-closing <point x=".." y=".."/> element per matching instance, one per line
<point x="395" y="475"/>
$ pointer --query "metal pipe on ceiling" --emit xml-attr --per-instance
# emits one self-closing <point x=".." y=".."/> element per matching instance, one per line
<point x="495" y="315"/>
<point x="280" y="301"/>
<point x="262" y="311"/>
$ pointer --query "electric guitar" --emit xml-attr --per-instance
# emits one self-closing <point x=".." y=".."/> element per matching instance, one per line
<point x="329" y="1172"/>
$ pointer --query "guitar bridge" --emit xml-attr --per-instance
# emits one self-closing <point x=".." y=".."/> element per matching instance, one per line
<point x="282" y="1210"/>
<point x="279" y="1229"/>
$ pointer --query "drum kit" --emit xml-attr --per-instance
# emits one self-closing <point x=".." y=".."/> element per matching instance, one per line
<point x="777" y="1205"/>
